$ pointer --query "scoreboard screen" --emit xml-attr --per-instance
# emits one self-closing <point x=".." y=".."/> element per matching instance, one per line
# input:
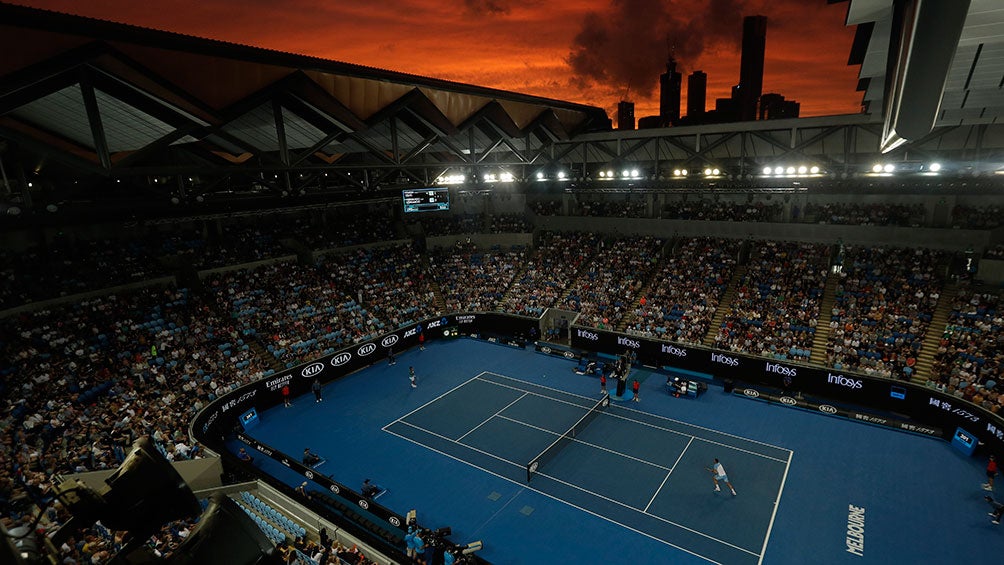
<point x="426" y="199"/>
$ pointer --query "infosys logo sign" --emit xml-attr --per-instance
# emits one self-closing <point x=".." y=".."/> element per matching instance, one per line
<point x="366" y="349"/>
<point x="587" y="335"/>
<point x="781" y="369"/>
<point x="673" y="350"/>
<point x="389" y="340"/>
<point x="844" y="381"/>
<point x="724" y="359"/>
<point x="312" y="370"/>
<point x="632" y="343"/>
<point x="341" y="359"/>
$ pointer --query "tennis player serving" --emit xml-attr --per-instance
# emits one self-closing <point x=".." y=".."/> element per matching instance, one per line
<point x="718" y="474"/>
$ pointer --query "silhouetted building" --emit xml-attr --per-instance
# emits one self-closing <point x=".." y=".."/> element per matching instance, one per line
<point x="669" y="94"/>
<point x="775" y="107"/>
<point x="652" y="122"/>
<point x="697" y="94"/>
<point x="751" y="66"/>
<point x="625" y="115"/>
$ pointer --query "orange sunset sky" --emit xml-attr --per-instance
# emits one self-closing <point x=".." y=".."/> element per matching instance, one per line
<point x="589" y="51"/>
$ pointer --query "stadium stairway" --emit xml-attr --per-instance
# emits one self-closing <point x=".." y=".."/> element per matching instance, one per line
<point x="724" y="306"/>
<point x="936" y="329"/>
<point x="822" y="335"/>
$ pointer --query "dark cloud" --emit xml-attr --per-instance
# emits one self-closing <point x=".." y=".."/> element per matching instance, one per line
<point x="626" y="45"/>
<point x="488" y="7"/>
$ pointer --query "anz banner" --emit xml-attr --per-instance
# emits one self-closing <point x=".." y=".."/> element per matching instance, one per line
<point x="941" y="412"/>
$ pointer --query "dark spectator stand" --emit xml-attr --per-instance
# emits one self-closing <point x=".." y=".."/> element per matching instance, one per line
<point x="936" y="413"/>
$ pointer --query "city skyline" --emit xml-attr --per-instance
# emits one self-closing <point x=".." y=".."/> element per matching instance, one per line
<point x="595" y="52"/>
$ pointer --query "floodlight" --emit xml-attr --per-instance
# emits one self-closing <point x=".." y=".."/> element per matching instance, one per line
<point x="716" y="172"/>
<point x="814" y="170"/>
<point x="934" y="167"/>
<point x="778" y="170"/>
<point x="707" y="172"/>
<point x="626" y="173"/>
<point x="561" y="175"/>
<point x="676" y="172"/>
<point x="610" y="174"/>
<point x="540" y="175"/>
<point x="766" y="170"/>
<point x="790" y="170"/>
<point x="634" y="172"/>
<point x="683" y="172"/>
<point x="802" y="169"/>
<point x="889" y="168"/>
<point x="877" y="168"/>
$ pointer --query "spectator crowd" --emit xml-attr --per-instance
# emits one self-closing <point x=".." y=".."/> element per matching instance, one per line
<point x="82" y="380"/>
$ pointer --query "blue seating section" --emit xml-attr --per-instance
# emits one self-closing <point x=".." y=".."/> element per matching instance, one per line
<point x="275" y="525"/>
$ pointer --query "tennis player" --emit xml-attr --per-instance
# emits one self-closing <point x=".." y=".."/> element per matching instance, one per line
<point x="718" y="474"/>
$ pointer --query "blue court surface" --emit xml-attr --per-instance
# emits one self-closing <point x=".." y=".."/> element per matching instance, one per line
<point x="633" y="485"/>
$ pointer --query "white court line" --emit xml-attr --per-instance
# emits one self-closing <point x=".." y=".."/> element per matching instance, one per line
<point x="658" y="490"/>
<point x="552" y="497"/>
<point x="660" y="518"/>
<point x="538" y="395"/>
<point x="492" y="416"/>
<point x="643" y="423"/>
<point x="593" y="445"/>
<point x="451" y="440"/>
<point x="619" y="407"/>
<point x="465" y="383"/>
<point x="597" y="495"/>
<point x="777" y="502"/>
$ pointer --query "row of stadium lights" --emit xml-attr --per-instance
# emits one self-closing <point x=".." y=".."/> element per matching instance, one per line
<point x="776" y="171"/>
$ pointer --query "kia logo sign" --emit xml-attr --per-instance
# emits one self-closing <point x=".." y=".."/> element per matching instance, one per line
<point x="394" y="521"/>
<point x="309" y="475"/>
<point x="334" y="489"/>
<point x="366" y="350"/>
<point x="751" y="393"/>
<point x="363" y="504"/>
<point x="545" y="349"/>
<point x="788" y="400"/>
<point x="389" y="340"/>
<point x="827" y="409"/>
<point x="569" y="355"/>
<point x="340" y="359"/>
<point x="312" y="369"/>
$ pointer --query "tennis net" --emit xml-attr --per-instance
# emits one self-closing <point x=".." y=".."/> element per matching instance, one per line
<point x="566" y="438"/>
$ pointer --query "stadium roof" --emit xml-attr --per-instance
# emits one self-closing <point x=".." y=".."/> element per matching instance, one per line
<point x="115" y="100"/>
<point x="929" y="64"/>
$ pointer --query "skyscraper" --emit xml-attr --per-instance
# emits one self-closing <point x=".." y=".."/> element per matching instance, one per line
<point x="625" y="115"/>
<point x="774" y="107"/>
<point x="697" y="94"/>
<point x="751" y="66"/>
<point x="669" y="94"/>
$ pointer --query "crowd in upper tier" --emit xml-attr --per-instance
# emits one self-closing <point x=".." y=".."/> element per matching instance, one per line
<point x="858" y="214"/>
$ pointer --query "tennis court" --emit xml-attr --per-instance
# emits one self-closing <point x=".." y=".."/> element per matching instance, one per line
<point x="641" y="472"/>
